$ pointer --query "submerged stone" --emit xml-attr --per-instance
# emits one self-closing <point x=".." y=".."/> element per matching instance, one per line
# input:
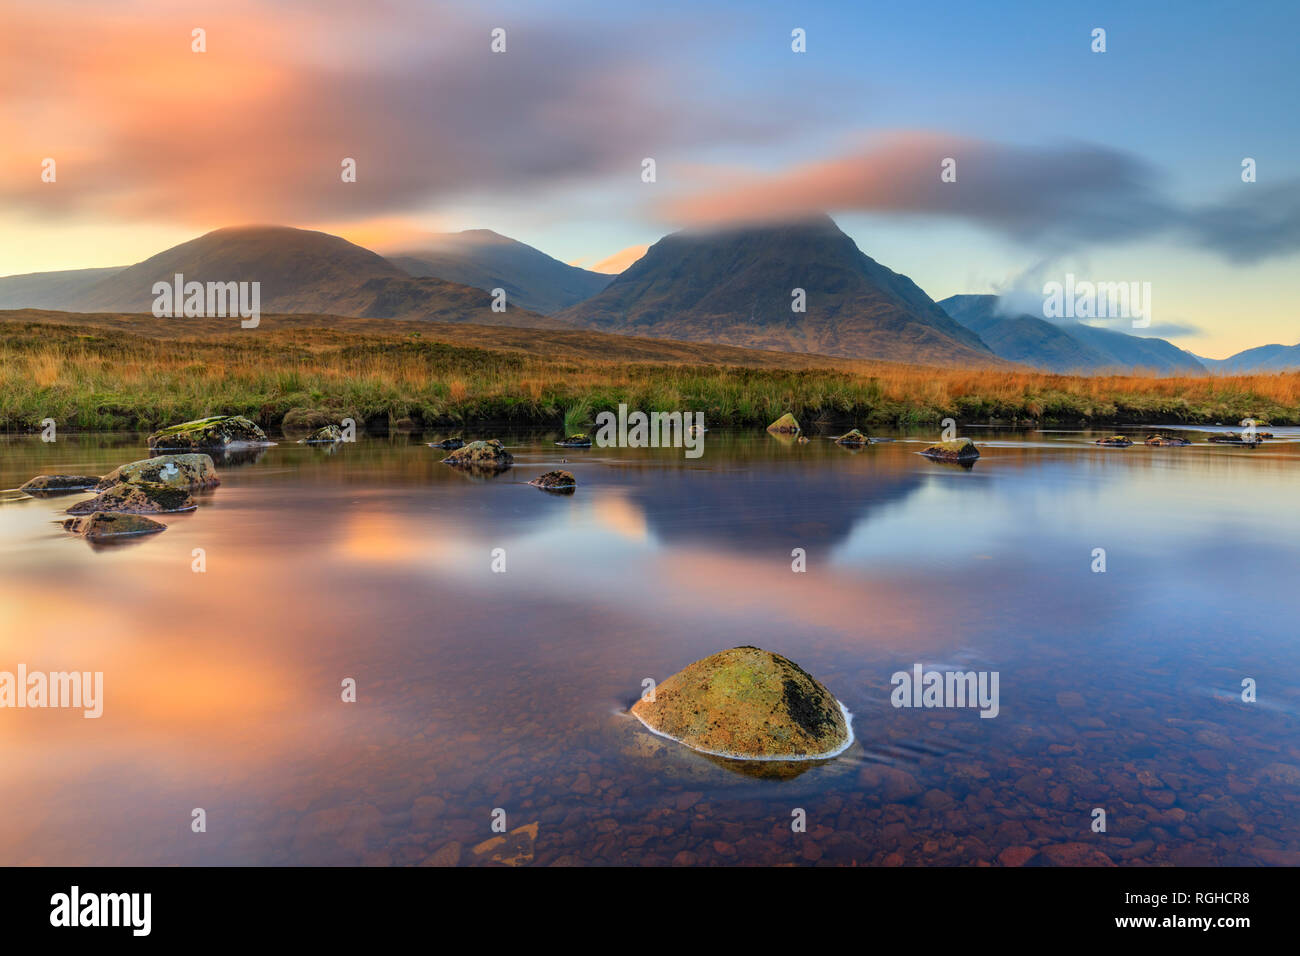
<point x="144" y="497"/>
<point x="215" y="432"/>
<point x="59" y="484"/>
<point x="785" y="425"/>
<point x="853" y="437"/>
<point x="958" y="449"/>
<point x="176" y="471"/>
<point x="327" y="435"/>
<point x="748" y="704"/>
<point x="488" y="455"/>
<point x="555" y="481"/>
<point x="1115" y="441"/>
<point x="575" y="441"/>
<point x="101" y="525"/>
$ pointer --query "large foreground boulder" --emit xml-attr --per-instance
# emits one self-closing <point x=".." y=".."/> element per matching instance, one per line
<point x="140" y="498"/>
<point x="958" y="449"/>
<point x="748" y="704"/>
<point x="108" y="525"/>
<point x="488" y="455"/>
<point x="215" y="432"/>
<point x="189" y="472"/>
<point x="59" y="484"/>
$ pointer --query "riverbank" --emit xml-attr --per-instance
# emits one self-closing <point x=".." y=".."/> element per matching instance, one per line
<point x="115" y="372"/>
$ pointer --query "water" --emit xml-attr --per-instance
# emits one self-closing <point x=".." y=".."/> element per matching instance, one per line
<point x="479" y="691"/>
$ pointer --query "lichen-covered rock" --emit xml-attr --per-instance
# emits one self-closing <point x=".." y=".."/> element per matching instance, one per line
<point x="748" y="704"/>
<point x="957" y="449"/>
<point x="1166" y="440"/>
<point x="215" y="432"/>
<point x="1115" y="441"/>
<point x="189" y="472"/>
<point x="141" y="498"/>
<point x="853" y="437"/>
<point x="59" y="484"/>
<point x="555" y="481"/>
<point x="575" y="441"/>
<point x="327" y="435"/>
<point x="785" y="425"/>
<point x="102" y="525"/>
<point x="449" y="444"/>
<point x="488" y="455"/>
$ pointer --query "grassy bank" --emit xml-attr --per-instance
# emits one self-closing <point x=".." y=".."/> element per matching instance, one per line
<point x="99" y="377"/>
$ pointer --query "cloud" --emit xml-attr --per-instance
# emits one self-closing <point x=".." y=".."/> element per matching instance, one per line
<point x="1057" y="198"/>
<point x="256" y="128"/>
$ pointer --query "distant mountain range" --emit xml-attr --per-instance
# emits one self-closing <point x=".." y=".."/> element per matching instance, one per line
<point x="488" y="260"/>
<point x="730" y="286"/>
<point x="736" y="287"/>
<point x="1068" y="346"/>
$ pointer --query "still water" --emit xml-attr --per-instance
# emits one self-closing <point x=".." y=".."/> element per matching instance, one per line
<point x="481" y="691"/>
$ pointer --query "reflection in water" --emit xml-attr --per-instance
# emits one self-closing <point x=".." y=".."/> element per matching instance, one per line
<point x="479" y="688"/>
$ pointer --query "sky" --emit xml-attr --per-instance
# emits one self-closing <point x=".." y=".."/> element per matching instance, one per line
<point x="1115" y="166"/>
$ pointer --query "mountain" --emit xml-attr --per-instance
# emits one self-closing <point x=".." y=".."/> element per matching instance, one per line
<point x="49" y="290"/>
<point x="1067" y="346"/>
<point x="488" y="260"/>
<point x="1264" y="358"/>
<point x="735" y="286"/>
<point x="299" y="271"/>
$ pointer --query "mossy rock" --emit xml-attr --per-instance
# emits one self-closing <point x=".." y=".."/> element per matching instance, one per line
<point x="215" y="432"/>
<point x="1228" y="438"/>
<point x="1165" y="440"/>
<point x="853" y="437"/>
<point x="328" y="435"/>
<point x="59" y="484"/>
<point x="555" y="481"/>
<point x="189" y="472"/>
<point x="140" y="498"/>
<point x="575" y="441"/>
<point x="748" y="704"/>
<point x="108" y="525"/>
<point x="1115" y="441"/>
<point x="448" y="444"/>
<point x="785" y="425"/>
<point x="488" y="455"/>
<point x="958" y="449"/>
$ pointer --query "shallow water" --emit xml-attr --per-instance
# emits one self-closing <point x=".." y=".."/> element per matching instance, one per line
<point x="480" y="690"/>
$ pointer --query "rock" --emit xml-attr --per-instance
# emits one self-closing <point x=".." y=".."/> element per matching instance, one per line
<point x="1072" y="854"/>
<point x="509" y="849"/>
<point x="958" y="449"/>
<point x="895" y="785"/>
<point x="488" y="455"/>
<point x="1114" y="441"/>
<point x="555" y="481"/>
<point x="446" y="855"/>
<point x="140" y="498"/>
<point x="104" y="525"/>
<point x="1166" y="440"/>
<point x="1016" y="855"/>
<point x="575" y="441"/>
<point x="59" y="484"/>
<point x="1229" y="438"/>
<point x="746" y="704"/>
<point x="329" y="434"/>
<point x="785" y="425"/>
<point x="450" y="444"/>
<point x="177" y="471"/>
<point x="853" y="437"/>
<point x="215" y="432"/>
<point x="309" y="419"/>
